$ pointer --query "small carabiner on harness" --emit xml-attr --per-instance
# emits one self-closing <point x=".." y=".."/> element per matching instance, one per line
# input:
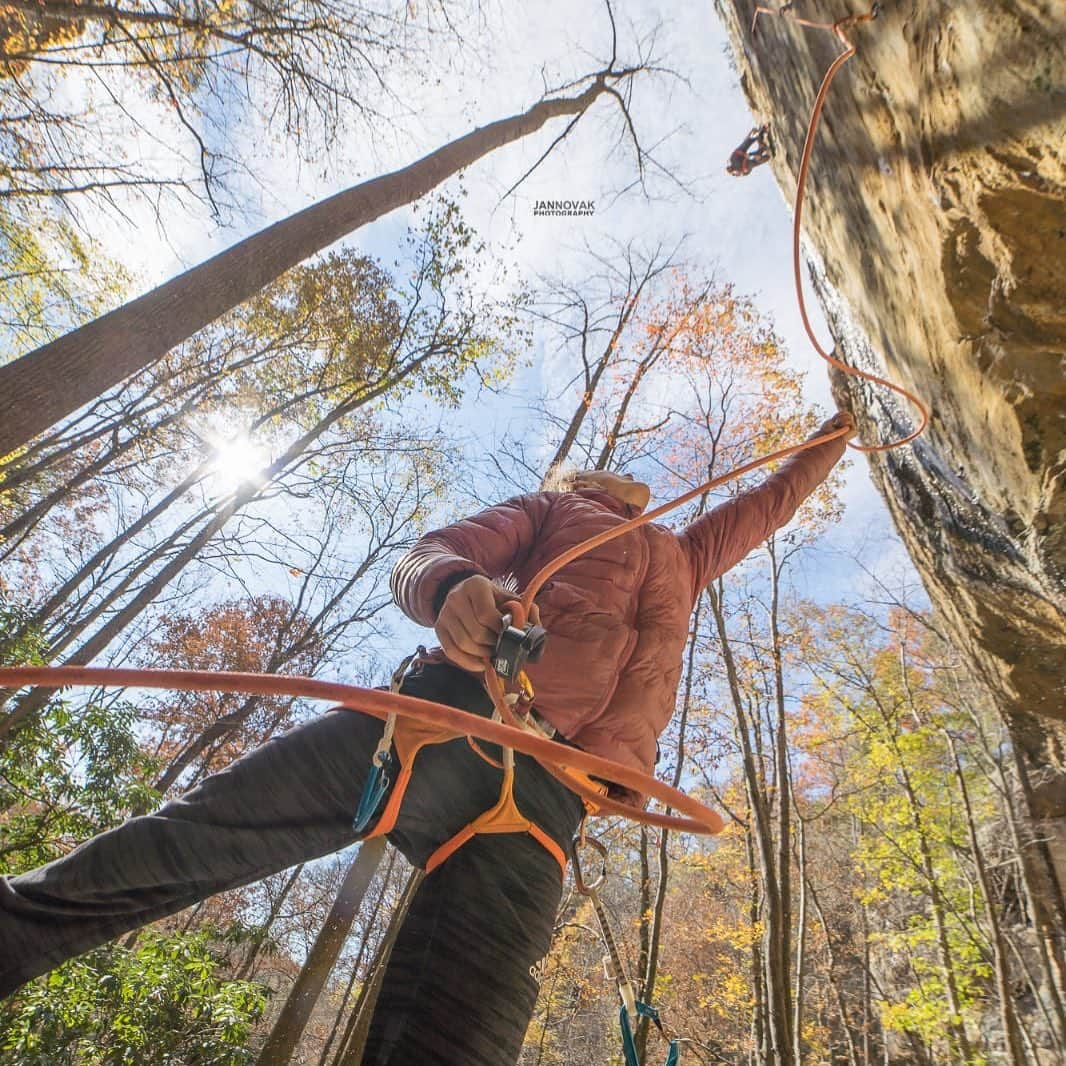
<point x="377" y="784"/>
<point x="381" y="762"/>
<point x="515" y="647"/>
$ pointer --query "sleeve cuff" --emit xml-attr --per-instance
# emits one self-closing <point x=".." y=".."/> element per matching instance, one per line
<point x="447" y="585"/>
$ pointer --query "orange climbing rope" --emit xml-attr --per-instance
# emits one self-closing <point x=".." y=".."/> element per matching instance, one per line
<point x="441" y="718"/>
<point x="838" y="28"/>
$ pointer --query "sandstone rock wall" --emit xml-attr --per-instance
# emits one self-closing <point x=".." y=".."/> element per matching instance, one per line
<point x="936" y="228"/>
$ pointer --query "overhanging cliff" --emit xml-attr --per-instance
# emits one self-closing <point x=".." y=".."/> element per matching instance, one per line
<point x="936" y="230"/>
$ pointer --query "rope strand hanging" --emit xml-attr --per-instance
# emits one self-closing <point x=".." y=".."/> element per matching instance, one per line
<point x="838" y="29"/>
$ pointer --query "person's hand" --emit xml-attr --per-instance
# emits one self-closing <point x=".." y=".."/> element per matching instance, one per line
<point x="470" y="622"/>
<point x="841" y="420"/>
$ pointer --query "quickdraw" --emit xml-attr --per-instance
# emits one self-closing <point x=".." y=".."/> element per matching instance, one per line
<point x="630" y="1007"/>
<point x="382" y="762"/>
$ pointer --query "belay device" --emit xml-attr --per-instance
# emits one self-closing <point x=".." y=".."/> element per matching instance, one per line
<point x="515" y="647"/>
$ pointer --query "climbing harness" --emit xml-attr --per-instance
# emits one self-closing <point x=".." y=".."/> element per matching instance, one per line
<point x="518" y="643"/>
<point x="838" y="29"/>
<point x="630" y="1008"/>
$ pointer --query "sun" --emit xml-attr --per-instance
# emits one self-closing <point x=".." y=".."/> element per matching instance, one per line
<point x="237" y="462"/>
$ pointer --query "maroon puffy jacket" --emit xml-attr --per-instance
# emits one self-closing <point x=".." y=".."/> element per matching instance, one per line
<point x="618" y="617"/>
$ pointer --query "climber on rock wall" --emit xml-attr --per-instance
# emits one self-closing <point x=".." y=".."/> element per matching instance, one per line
<point x="744" y="159"/>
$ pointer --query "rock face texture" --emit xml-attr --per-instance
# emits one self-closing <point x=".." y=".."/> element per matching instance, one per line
<point x="935" y="227"/>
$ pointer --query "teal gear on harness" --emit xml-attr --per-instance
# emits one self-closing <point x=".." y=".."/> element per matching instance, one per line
<point x="377" y="784"/>
<point x="629" y="1046"/>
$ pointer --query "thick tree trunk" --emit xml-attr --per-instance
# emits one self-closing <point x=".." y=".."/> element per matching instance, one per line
<point x="52" y="382"/>
<point x="314" y="973"/>
<point x="364" y="943"/>
<point x="776" y="969"/>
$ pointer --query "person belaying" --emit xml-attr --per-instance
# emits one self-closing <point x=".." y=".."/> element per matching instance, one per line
<point x="755" y="149"/>
<point x="459" y="986"/>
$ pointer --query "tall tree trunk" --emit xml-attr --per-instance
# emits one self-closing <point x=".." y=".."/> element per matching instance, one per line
<point x="801" y="942"/>
<point x="867" y="970"/>
<point x="776" y="972"/>
<point x="1008" y="1015"/>
<point x="364" y="943"/>
<point x="322" y="957"/>
<point x="650" y="962"/>
<point x="783" y="773"/>
<point x="52" y="382"/>
<point x="760" y="1049"/>
<point x="350" y="1053"/>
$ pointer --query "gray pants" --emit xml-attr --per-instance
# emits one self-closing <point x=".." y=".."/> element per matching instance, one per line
<point x="458" y="987"/>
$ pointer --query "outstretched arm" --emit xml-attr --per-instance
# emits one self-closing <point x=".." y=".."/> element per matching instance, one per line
<point x="720" y="539"/>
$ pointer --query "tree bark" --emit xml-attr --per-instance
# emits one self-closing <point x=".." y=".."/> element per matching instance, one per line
<point x="364" y="943"/>
<point x="314" y="973"/>
<point x="56" y="379"/>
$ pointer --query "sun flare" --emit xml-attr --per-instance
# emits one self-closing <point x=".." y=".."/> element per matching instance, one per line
<point x="237" y="461"/>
